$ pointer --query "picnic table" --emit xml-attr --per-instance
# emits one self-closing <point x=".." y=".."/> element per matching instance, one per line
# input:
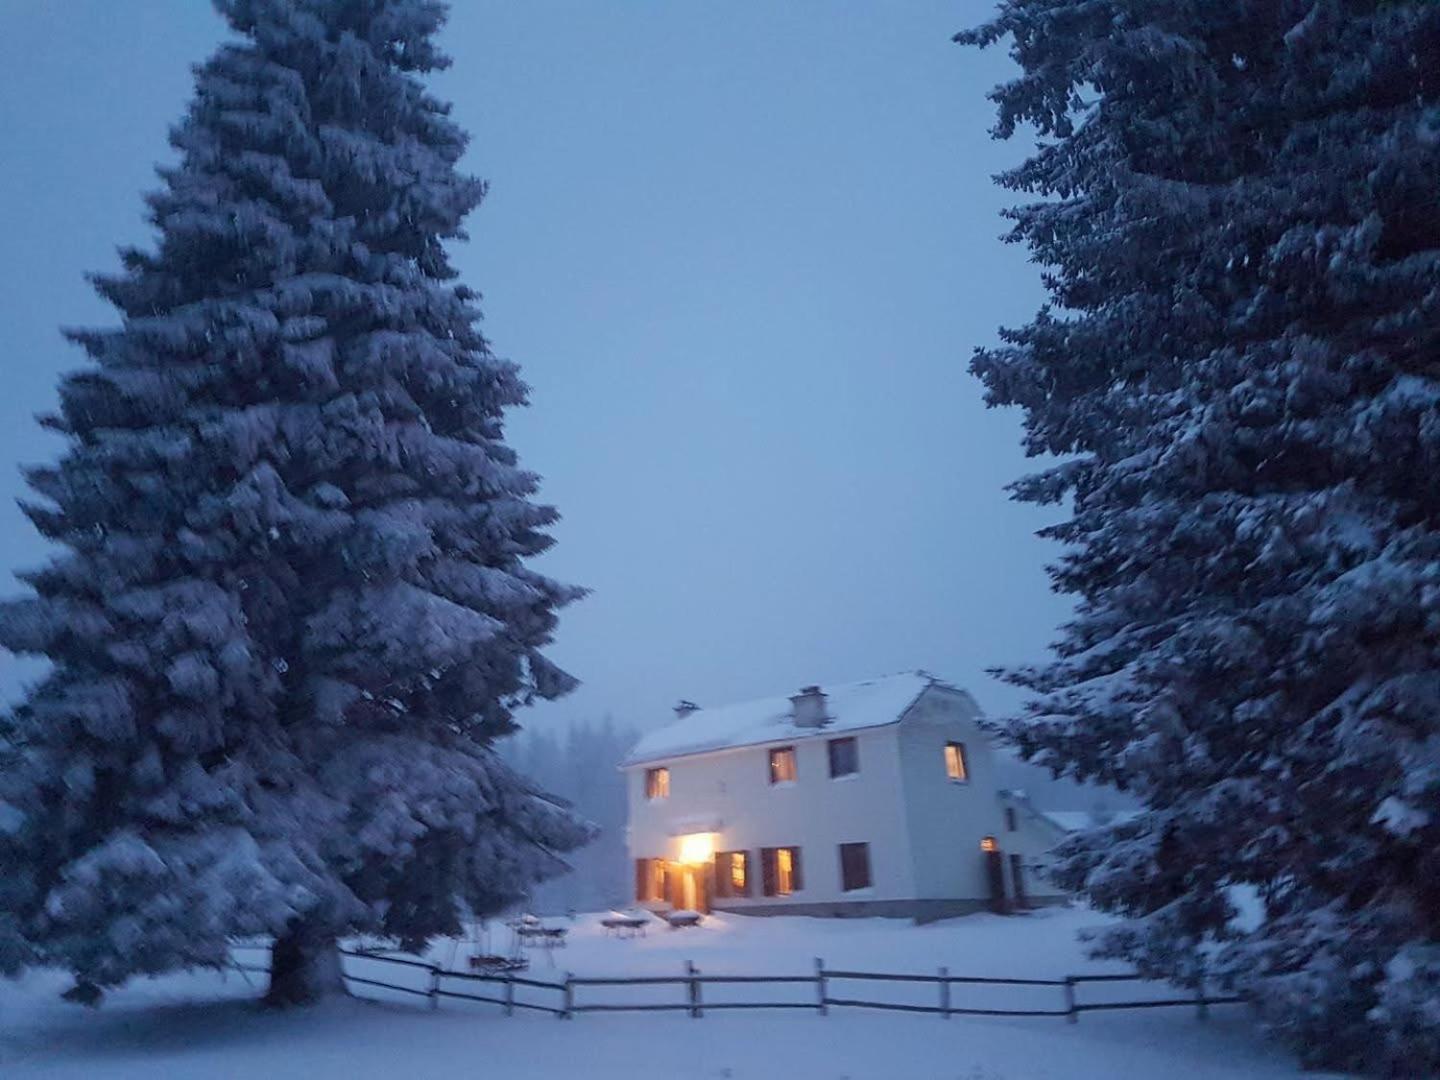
<point x="678" y="920"/>
<point x="624" y="924"/>
<point x="535" y="934"/>
<point x="492" y="964"/>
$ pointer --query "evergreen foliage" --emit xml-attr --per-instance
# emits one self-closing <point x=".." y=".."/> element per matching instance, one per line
<point x="1240" y="376"/>
<point x="291" y="607"/>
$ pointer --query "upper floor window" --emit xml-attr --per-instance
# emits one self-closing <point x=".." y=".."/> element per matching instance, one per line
<point x="854" y="867"/>
<point x="1009" y="819"/>
<point x="956" y="767"/>
<point x="844" y="757"/>
<point x="780" y="871"/>
<point x="657" y="783"/>
<point x="782" y="765"/>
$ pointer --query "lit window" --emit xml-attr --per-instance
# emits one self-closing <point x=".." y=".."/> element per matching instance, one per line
<point x="652" y="883"/>
<point x="732" y="874"/>
<point x="854" y="867"/>
<point x="784" y="871"/>
<point x="657" y="783"/>
<point x="782" y="765"/>
<point x="780" y="871"/>
<point x="955" y="765"/>
<point x="844" y="757"/>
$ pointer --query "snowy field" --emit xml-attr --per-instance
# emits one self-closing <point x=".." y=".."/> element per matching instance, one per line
<point x="203" y="1025"/>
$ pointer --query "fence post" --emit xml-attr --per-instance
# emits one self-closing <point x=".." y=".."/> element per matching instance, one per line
<point x="820" y="986"/>
<point x="567" y="1011"/>
<point x="434" y="991"/>
<point x="509" y="994"/>
<point x="945" y="993"/>
<point x="1202" y="1007"/>
<point x="1072" y="1015"/>
<point x="694" y="988"/>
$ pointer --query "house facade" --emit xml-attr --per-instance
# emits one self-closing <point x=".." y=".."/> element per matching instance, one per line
<point x="869" y="798"/>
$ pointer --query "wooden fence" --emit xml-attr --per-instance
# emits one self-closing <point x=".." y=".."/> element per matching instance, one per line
<point x="573" y="995"/>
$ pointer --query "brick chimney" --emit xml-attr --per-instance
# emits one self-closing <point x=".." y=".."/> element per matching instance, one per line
<point x="807" y="708"/>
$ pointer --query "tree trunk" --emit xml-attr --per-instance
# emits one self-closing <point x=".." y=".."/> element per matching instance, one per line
<point x="304" y="967"/>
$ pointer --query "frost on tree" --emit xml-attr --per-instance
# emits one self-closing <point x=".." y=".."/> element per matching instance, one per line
<point x="1235" y="204"/>
<point x="291" y="609"/>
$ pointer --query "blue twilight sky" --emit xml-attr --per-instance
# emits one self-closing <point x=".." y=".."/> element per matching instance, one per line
<point x="742" y="253"/>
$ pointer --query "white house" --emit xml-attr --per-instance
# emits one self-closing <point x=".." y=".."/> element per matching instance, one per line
<point x="871" y="798"/>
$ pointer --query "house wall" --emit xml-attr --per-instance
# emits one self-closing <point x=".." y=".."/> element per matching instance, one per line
<point x="1036" y="840"/>
<point x="728" y="792"/>
<point x="947" y="819"/>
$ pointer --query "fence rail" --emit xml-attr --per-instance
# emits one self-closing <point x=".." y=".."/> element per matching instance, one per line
<point x="693" y="981"/>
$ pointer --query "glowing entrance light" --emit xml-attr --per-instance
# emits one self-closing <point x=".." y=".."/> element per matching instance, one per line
<point x="988" y="844"/>
<point x="697" y="847"/>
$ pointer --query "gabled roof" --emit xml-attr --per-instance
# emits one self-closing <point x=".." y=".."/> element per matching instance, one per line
<point x="1079" y="820"/>
<point x="851" y="707"/>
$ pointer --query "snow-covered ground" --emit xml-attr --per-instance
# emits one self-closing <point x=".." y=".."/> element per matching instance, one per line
<point x="202" y="1025"/>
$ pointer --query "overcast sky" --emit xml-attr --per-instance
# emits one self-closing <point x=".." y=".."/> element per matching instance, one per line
<point x="742" y="253"/>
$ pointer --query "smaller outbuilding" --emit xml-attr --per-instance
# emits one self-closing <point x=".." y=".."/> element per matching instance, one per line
<point x="868" y="798"/>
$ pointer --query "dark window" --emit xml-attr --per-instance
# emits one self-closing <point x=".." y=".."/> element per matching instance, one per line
<point x="1010" y="819"/>
<point x="854" y="867"/>
<point x="651" y="882"/>
<point x="657" y="783"/>
<point x="956" y="768"/>
<point x="780" y="871"/>
<point x="782" y="765"/>
<point x="844" y="757"/>
<point x="732" y="874"/>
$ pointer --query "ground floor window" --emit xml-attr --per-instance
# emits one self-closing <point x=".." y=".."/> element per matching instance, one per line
<point x="780" y="871"/>
<point x="732" y="873"/>
<point x="651" y="885"/>
<point x="854" y="867"/>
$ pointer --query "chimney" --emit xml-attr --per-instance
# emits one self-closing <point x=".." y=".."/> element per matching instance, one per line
<point x="807" y="708"/>
<point x="685" y="708"/>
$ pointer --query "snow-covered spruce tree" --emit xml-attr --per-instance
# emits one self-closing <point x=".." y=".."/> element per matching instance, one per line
<point x="291" y="609"/>
<point x="1237" y="212"/>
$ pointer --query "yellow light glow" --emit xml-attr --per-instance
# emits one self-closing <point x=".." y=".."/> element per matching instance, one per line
<point x="697" y="847"/>
<point x="785" y="871"/>
<point x="737" y="871"/>
<point x="988" y="844"/>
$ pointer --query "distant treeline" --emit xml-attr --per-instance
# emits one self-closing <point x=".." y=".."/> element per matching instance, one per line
<point x="581" y="765"/>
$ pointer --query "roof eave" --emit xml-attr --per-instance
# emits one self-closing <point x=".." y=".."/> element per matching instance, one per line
<point x="781" y="740"/>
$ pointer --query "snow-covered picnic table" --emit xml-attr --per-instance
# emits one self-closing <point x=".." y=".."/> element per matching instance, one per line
<point x="625" y="924"/>
<point x="531" y="931"/>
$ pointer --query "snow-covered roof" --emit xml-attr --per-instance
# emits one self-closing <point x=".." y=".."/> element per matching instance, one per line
<point x="850" y="706"/>
<point x="1079" y="820"/>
